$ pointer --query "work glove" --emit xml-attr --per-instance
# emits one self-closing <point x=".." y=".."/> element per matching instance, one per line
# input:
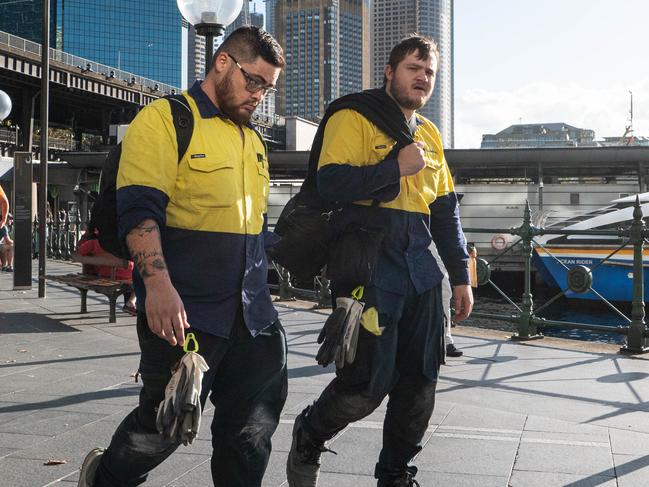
<point x="179" y="413"/>
<point x="331" y="336"/>
<point x="339" y="335"/>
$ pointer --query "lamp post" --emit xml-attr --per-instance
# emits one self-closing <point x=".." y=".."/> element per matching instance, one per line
<point x="45" y="117"/>
<point x="209" y="18"/>
<point x="5" y="105"/>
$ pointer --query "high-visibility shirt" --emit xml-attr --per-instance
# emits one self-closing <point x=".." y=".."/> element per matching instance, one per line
<point x="211" y="209"/>
<point x="358" y="166"/>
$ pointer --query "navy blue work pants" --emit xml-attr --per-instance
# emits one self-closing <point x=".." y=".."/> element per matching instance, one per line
<point x="247" y="383"/>
<point x="399" y="355"/>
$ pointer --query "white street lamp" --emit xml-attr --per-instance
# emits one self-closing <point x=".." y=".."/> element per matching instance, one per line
<point x="209" y="18"/>
<point x="5" y="105"/>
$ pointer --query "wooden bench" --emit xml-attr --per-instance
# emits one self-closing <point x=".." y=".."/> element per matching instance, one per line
<point x="111" y="288"/>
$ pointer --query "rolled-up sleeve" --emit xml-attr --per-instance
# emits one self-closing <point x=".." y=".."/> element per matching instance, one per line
<point x="148" y="168"/>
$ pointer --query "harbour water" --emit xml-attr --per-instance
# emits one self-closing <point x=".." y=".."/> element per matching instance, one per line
<point x="570" y="310"/>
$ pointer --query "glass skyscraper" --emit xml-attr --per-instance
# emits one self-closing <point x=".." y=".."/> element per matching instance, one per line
<point x="142" y="37"/>
<point x="326" y="45"/>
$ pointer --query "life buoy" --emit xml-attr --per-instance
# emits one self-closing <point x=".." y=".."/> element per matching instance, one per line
<point x="499" y="242"/>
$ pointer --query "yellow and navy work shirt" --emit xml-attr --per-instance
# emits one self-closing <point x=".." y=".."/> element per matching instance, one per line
<point x="358" y="165"/>
<point x="211" y="209"/>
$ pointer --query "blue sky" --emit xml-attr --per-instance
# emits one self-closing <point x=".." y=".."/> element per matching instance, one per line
<point x="570" y="61"/>
<point x="534" y="61"/>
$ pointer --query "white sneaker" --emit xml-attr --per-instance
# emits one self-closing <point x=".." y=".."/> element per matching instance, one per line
<point x="89" y="467"/>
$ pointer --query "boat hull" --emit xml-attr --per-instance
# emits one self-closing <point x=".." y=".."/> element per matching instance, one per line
<point x="612" y="279"/>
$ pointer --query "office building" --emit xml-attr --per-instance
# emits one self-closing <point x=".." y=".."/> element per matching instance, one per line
<point x="141" y="37"/>
<point x="535" y="135"/>
<point x="392" y="20"/>
<point x="327" y="49"/>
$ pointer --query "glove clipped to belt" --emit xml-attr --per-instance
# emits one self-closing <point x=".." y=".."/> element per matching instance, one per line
<point x="339" y="335"/>
<point x="179" y="413"/>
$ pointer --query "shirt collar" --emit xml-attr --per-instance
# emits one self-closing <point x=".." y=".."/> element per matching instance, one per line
<point x="206" y="108"/>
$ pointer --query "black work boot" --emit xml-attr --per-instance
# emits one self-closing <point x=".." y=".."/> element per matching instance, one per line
<point x="406" y="479"/>
<point x="303" y="464"/>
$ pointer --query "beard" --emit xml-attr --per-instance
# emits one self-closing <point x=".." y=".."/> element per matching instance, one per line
<point x="399" y="92"/>
<point x="227" y="103"/>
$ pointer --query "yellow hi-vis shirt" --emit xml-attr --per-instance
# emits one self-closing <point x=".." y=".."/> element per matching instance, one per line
<point x="210" y="206"/>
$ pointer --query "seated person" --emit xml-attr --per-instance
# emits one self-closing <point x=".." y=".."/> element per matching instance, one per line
<point x="89" y="245"/>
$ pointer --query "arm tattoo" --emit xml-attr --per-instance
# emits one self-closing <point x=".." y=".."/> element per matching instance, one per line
<point x="148" y="263"/>
<point x="144" y="228"/>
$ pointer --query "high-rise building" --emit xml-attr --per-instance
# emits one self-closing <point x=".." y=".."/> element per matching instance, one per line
<point x="327" y="49"/>
<point x="242" y="19"/>
<point x="23" y="19"/>
<point x="257" y="19"/>
<point x="270" y="16"/>
<point x="141" y="37"/>
<point x="392" y="20"/>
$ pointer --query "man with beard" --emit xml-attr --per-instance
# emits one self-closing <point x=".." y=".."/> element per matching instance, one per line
<point x="406" y="192"/>
<point x="195" y="230"/>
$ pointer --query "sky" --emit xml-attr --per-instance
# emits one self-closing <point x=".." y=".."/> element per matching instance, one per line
<point x="530" y="61"/>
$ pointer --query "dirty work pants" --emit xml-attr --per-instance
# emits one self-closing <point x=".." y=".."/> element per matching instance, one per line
<point x="247" y="383"/>
<point x="415" y="330"/>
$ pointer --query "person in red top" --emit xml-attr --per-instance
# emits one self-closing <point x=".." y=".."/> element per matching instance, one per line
<point x="90" y="246"/>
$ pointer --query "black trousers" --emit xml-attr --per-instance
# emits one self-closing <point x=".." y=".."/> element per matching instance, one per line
<point x="247" y="383"/>
<point x="398" y="362"/>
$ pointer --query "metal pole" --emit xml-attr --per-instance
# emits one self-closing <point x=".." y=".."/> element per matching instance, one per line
<point x="45" y="102"/>
<point x="636" y="342"/>
<point x="209" y="52"/>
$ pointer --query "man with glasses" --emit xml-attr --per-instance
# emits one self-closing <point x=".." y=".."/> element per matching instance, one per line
<point x="195" y="230"/>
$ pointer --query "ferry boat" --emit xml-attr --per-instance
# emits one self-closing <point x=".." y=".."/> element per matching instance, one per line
<point x="613" y="278"/>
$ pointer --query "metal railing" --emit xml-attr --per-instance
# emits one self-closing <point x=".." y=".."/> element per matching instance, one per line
<point x="526" y="316"/>
<point x="84" y="64"/>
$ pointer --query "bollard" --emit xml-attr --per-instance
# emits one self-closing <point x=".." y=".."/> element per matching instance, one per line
<point x="285" y="286"/>
<point x="322" y="287"/>
<point x="526" y="320"/>
<point x="49" y="229"/>
<point x="65" y="242"/>
<point x="636" y="342"/>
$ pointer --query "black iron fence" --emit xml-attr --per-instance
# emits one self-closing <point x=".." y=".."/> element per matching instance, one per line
<point x="579" y="280"/>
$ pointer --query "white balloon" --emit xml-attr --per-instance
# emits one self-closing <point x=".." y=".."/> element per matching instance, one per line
<point x="210" y="11"/>
<point x="5" y="105"/>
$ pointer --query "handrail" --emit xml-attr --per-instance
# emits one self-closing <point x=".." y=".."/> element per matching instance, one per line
<point x="526" y="317"/>
<point x="31" y="47"/>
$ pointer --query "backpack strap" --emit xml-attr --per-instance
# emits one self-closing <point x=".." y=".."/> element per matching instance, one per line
<point x="183" y="119"/>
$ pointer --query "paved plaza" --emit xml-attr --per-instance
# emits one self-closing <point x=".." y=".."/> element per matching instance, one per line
<point x="544" y="413"/>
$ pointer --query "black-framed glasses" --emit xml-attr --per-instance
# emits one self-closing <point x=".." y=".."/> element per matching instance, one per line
<point x="253" y="83"/>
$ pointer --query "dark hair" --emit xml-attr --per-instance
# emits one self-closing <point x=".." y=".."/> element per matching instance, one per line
<point x="249" y="42"/>
<point x="424" y="46"/>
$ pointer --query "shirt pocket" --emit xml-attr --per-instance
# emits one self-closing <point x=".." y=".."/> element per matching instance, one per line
<point x="211" y="182"/>
<point x="263" y="181"/>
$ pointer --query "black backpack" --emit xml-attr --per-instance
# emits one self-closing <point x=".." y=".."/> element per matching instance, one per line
<point x="103" y="216"/>
<point x="308" y="235"/>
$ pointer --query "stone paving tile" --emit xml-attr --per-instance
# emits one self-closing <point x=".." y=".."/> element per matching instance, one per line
<point x="632" y="471"/>
<point x="51" y="421"/>
<point x="551" y="438"/>
<point x="570" y="459"/>
<point x="551" y="425"/>
<point x="549" y="479"/>
<point x="470" y="416"/>
<point x="629" y="442"/>
<point x="430" y="479"/>
<point x="472" y="456"/>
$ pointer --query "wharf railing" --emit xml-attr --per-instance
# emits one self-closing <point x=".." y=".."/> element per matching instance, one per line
<point x="579" y="280"/>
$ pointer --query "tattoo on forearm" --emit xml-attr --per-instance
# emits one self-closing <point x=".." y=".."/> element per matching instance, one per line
<point x="144" y="228"/>
<point x="148" y="263"/>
